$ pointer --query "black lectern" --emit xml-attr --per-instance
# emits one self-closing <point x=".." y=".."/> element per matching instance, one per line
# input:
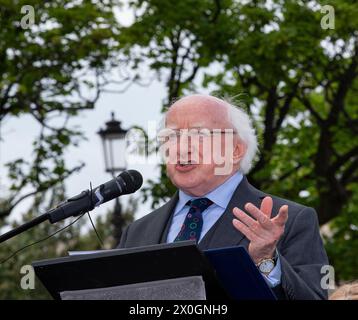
<point x="164" y="271"/>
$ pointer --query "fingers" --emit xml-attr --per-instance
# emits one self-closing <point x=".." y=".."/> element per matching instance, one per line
<point x="263" y="219"/>
<point x="282" y="216"/>
<point x="266" y="206"/>
<point x="242" y="216"/>
<point x="263" y="226"/>
<point x="245" y="230"/>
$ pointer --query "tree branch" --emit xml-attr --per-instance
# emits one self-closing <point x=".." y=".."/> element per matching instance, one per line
<point x="348" y="175"/>
<point x="44" y="187"/>
<point x="286" y="106"/>
<point x="313" y="112"/>
<point x="289" y="172"/>
<point x="346" y="80"/>
<point x="343" y="159"/>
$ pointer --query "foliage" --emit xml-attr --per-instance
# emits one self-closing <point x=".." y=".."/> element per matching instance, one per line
<point x="51" y="70"/>
<point x="342" y="245"/>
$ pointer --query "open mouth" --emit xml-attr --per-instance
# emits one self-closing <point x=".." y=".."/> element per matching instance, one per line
<point x="185" y="165"/>
<point x="186" y="162"/>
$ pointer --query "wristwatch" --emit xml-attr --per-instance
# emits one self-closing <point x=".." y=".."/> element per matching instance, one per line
<point x="265" y="266"/>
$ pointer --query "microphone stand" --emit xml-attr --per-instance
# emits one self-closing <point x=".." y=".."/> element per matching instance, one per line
<point x="24" y="227"/>
<point x="127" y="182"/>
<point x="54" y="215"/>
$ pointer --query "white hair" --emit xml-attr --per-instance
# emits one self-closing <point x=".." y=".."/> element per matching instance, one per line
<point x="242" y="123"/>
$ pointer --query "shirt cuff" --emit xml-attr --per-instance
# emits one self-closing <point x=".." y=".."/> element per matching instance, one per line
<point x="273" y="279"/>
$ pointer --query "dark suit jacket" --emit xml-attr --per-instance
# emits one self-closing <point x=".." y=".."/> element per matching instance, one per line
<point x="300" y="248"/>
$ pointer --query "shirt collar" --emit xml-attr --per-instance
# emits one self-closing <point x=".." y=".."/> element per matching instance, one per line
<point x="221" y="195"/>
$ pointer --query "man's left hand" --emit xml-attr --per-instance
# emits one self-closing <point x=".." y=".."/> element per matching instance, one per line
<point x="263" y="232"/>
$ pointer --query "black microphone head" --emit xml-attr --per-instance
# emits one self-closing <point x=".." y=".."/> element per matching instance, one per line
<point x="133" y="180"/>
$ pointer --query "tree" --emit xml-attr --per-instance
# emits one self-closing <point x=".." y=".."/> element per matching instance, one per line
<point x="301" y="88"/>
<point x="171" y="37"/>
<point x="51" y="69"/>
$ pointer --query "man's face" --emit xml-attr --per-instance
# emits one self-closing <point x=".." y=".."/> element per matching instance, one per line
<point x="196" y="154"/>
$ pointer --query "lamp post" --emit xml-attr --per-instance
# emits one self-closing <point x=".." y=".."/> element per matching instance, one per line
<point x="114" y="148"/>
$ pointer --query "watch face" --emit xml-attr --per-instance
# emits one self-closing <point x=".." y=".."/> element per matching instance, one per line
<point x="266" y="266"/>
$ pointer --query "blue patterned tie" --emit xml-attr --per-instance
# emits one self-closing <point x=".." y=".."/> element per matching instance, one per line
<point x="193" y="223"/>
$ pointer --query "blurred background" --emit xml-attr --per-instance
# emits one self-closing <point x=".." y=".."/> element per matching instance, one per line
<point x="70" y="70"/>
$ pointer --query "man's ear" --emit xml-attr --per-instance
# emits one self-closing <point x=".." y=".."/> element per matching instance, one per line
<point x="239" y="151"/>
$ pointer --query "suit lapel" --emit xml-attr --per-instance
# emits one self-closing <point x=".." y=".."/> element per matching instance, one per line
<point x="161" y="220"/>
<point x="223" y="233"/>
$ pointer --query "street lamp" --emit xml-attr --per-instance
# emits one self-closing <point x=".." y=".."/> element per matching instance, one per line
<point x="114" y="149"/>
<point x="114" y="146"/>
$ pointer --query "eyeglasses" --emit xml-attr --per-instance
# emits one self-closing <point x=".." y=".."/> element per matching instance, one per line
<point x="168" y="134"/>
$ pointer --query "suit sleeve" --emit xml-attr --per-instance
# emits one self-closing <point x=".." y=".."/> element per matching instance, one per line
<point x="302" y="256"/>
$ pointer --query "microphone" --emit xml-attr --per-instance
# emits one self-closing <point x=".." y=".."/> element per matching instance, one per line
<point x="127" y="182"/>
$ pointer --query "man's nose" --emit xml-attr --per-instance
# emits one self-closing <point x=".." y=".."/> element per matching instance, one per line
<point x="184" y="143"/>
<point x="188" y="143"/>
<point x="183" y="151"/>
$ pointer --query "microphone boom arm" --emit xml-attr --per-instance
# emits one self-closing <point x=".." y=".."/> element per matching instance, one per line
<point x="24" y="227"/>
<point x="127" y="182"/>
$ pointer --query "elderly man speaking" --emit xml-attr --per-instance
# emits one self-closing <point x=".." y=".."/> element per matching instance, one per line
<point x="209" y="146"/>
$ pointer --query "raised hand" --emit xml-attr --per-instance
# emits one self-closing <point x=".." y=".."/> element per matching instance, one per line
<point x="263" y="231"/>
